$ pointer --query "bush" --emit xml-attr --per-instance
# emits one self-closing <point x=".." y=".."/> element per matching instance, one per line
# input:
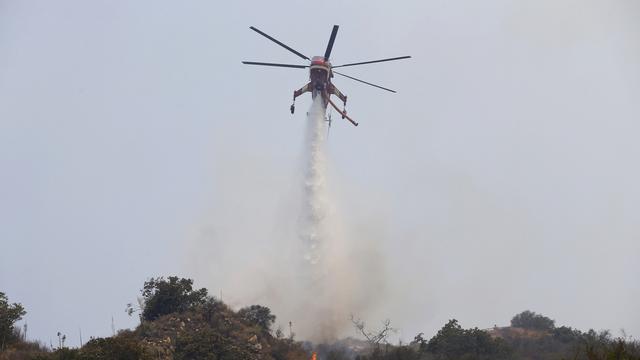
<point x="530" y="320"/>
<point x="124" y="346"/>
<point x="454" y="342"/>
<point x="9" y="315"/>
<point x="258" y="315"/>
<point x="162" y="297"/>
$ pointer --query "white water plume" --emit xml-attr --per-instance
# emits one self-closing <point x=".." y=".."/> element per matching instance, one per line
<point x="321" y="238"/>
<point x="315" y="211"/>
<point x="335" y="261"/>
<point x="300" y="260"/>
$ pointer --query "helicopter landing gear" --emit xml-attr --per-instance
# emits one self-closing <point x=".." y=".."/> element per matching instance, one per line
<point x="343" y="113"/>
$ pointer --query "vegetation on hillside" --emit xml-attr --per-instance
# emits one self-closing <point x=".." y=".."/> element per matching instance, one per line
<point x="535" y="337"/>
<point x="180" y="322"/>
<point x="9" y="315"/>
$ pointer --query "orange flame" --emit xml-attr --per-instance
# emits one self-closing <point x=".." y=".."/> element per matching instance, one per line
<point x="314" y="356"/>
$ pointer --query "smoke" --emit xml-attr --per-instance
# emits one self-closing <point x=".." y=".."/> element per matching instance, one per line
<point x="306" y="261"/>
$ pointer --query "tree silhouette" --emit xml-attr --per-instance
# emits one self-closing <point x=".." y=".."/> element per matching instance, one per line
<point x="163" y="297"/>
<point x="530" y="320"/>
<point x="9" y="315"/>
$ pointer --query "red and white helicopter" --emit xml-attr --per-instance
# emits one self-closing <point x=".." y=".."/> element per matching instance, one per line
<point x="320" y="73"/>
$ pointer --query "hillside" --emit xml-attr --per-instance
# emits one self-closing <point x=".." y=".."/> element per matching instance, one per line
<point x="179" y="322"/>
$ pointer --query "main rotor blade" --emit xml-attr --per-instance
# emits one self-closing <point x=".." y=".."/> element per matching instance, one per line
<point x="275" y="64"/>
<point x="334" y="32"/>
<point x="374" y="61"/>
<point x="279" y="43"/>
<point x="364" y="82"/>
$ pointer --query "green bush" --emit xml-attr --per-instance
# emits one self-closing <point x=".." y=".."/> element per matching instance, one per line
<point x="124" y="346"/>
<point x="530" y="320"/>
<point x="163" y="297"/>
<point x="454" y="342"/>
<point x="258" y="315"/>
<point x="9" y="315"/>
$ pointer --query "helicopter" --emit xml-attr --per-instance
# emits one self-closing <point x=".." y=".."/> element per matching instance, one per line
<point x="321" y="71"/>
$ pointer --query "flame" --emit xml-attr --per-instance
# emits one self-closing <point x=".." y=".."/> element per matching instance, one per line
<point x="314" y="356"/>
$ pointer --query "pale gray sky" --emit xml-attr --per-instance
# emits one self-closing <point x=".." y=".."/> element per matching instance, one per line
<point x="503" y="174"/>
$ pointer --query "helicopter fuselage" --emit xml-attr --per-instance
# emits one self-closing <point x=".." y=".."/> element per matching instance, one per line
<point x="320" y="73"/>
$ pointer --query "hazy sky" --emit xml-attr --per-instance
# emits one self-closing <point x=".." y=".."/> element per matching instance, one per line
<point x="503" y="176"/>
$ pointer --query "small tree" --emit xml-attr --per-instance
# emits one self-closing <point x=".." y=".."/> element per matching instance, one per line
<point x="454" y="342"/>
<point x="421" y="342"/>
<point x="163" y="297"/>
<point x="9" y="315"/>
<point x="258" y="315"/>
<point x="124" y="346"/>
<point x="530" y="320"/>
<point x="448" y="340"/>
<point x="374" y="338"/>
